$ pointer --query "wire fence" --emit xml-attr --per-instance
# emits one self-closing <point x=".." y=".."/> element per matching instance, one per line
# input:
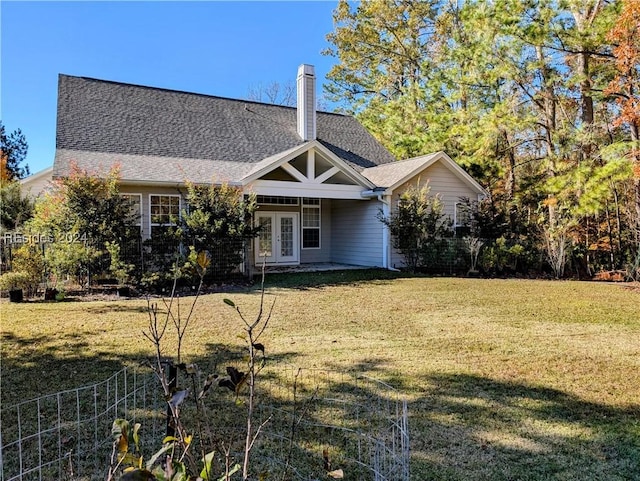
<point x="322" y="420"/>
<point x="311" y="422"/>
<point x="67" y="435"/>
<point x="144" y="259"/>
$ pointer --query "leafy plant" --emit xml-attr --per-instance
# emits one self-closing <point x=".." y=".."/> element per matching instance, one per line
<point x="120" y="269"/>
<point x="161" y="466"/>
<point x="10" y="281"/>
<point x="417" y="221"/>
<point x="219" y="220"/>
<point x="81" y="214"/>
<point x="28" y="259"/>
<point x="177" y="460"/>
<point x="502" y="256"/>
<point x="16" y="208"/>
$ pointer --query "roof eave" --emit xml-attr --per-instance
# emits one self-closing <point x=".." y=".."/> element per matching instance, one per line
<point x="449" y="163"/>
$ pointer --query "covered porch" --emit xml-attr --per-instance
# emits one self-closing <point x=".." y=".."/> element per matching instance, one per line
<point x="309" y="234"/>
<point x="315" y="209"/>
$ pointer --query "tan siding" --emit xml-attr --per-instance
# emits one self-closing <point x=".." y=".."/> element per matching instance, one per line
<point x="36" y="184"/>
<point x="443" y="182"/>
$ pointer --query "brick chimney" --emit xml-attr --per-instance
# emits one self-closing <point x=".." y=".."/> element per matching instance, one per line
<point x="306" y="83"/>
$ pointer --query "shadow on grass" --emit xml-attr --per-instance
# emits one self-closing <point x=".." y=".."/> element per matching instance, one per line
<point x="471" y="427"/>
<point x="462" y="426"/>
<point x="43" y="368"/>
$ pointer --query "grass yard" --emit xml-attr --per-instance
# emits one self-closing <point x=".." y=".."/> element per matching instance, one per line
<point x="506" y="379"/>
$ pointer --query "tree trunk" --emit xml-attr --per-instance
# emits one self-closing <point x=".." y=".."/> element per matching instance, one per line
<point x="549" y="103"/>
<point x="585" y="88"/>
<point x="635" y="131"/>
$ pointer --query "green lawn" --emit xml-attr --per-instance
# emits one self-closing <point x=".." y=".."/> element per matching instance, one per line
<point x="506" y="379"/>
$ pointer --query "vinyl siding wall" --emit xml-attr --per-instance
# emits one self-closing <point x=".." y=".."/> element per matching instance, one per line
<point x="443" y="182"/>
<point x="356" y="233"/>
<point x="324" y="253"/>
<point x="36" y="184"/>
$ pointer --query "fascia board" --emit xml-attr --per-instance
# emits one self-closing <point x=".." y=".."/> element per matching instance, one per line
<point x="447" y="162"/>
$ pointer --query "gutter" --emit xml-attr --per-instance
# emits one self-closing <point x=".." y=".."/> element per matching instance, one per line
<point x="378" y="192"/>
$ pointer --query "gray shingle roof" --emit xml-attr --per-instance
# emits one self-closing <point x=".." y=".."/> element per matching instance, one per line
<point x="149" y="127"/>
<point x="389" y="174"/>
<point x="151" y="168"/>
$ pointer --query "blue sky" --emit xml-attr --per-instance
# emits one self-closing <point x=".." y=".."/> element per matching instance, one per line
<point x="216" y="48"/>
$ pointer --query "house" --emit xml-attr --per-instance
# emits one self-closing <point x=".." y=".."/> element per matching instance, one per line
<point x="320" y="178"/>
<point x="37" y="183"/>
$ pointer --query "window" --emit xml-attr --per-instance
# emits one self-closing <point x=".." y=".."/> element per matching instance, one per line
<point x="135" y="204"/>
<point x="164" y="209"/>
<point x="462" y="219"/>
<point x="276" y="200"/>
<point x="310" y="223"/>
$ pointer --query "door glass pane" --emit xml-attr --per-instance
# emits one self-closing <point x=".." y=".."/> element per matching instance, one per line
<point x="286" y="236"/>
<point x="265" y="239"/>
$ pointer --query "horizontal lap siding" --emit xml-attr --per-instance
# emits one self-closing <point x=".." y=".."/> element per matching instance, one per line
<point x="356" y="233"/>
<point x="443" y="182"/>
<point x="324" y="253"/>
<point x="35" y="186"/>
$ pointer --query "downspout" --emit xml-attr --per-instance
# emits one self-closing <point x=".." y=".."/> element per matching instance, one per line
<point x="385" y="200"/>
<point x="386" y="237"/>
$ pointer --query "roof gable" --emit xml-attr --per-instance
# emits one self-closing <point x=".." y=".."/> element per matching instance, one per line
<point x="320" y="168"/>
<point x="393" y="175"/>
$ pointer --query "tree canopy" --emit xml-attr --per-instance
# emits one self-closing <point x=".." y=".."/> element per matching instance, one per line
<point x="13" y="151"/>
<point x="537" y="99"/>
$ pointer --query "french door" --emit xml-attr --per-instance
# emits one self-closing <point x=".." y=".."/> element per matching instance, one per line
<point x="278" y="242"/>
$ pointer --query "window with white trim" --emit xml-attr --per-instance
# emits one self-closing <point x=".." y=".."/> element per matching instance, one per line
<point x="135" y="205"/>
<point x="310" y="223"/>
<point x="164" y="210"/>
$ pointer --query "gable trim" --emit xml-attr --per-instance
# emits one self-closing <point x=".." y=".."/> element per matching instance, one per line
<point x="293" y="172"/>
<point x="280" y="160"/>
<point x="448" y="162"/>
<point x="326" y="175"/>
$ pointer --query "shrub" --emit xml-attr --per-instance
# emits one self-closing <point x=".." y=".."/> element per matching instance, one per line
<point x="220" y="221"/>
<point x="81" y="215"/>
<point x="118" y="268"/>
<point x="67" y="259"/>
<point x="417" y="222"/>
<point x="28" y="259"/>
<point x="10" y="281"/>
<point x="16" y="209"/>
